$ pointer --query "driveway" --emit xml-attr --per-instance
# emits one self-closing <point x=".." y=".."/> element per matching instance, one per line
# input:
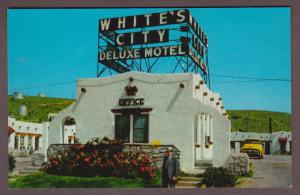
<point x="270" y="172"/>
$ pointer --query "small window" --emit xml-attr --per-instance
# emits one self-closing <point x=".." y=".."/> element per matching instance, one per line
<point x="122" y="127"/>
<point x="22" y="143"/>
<point x="140" y="128"/>
<point x="29" y="141"/>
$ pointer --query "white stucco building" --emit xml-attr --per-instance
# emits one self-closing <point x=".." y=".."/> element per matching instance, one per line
<point x="143" y="108"/>
<point x="28" y="136"/>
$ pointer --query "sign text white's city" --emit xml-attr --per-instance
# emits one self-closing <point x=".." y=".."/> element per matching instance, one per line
<point x="155" y="19"/>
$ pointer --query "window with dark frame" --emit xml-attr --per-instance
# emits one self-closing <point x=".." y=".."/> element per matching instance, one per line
<point x="22" y="142"/>
<point x="29" y="145"/>
<point x="122" y="127"/>
<point x="140" y="128"/>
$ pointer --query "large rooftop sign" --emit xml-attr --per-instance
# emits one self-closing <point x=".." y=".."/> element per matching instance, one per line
<point x="125" y="41"/>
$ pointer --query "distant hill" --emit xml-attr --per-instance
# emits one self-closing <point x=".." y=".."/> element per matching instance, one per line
<point x="37" y="107"/>
<point x="241" y="120"/>
<point x="258" y="121"/>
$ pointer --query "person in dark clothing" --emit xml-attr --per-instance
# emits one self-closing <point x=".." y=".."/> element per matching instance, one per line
<point x="170" y="169"/>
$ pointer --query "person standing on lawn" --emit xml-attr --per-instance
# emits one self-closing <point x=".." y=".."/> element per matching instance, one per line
<point x="170" y="169"/>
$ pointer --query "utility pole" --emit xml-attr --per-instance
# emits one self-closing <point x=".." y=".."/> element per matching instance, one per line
<point x="246" y="120"/>
<point x="270" y="125"/>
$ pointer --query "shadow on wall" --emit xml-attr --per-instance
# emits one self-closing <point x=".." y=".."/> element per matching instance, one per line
<point x="174" y="99"/>
<point x="79" y="99"/>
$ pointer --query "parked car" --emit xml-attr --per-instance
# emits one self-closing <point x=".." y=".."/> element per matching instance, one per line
<point x="254" y="148"/>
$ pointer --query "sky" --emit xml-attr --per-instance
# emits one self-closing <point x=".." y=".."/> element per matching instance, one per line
<point x="49" y="49"/>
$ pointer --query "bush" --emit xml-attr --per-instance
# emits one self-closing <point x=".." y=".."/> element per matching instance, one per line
<point x="11" y="162"/>
<point x="218" y="177"/>
<point x="100" y="157"/>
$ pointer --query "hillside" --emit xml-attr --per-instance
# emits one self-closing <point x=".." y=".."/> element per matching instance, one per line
<point x="37" y="107"/>
<point x="258" y="121"/>
<point x="241" y="120"/>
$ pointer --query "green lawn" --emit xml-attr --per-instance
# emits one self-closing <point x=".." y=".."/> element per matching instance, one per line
<point x="43" y="180"/>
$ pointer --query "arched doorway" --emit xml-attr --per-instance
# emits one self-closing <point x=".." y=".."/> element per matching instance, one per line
<point x="68" y="135"/>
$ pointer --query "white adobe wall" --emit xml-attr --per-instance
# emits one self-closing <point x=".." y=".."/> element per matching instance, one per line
<point x="171" y="121"/>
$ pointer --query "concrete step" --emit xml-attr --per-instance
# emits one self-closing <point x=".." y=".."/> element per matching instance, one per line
<point x="188" y="182"/>
<point x="184" y="187"/>
<point x="204" y="163"/>
<point x="189" y="178"/>
<point x="191" y="184"/>
<point x="26" y="172"/>
<point x="32" y="168"/>
<point x="29" y="170"/>
<point x="23" y="162"/>
<point x="202" y="168"/>
<point x="196" y="171"/>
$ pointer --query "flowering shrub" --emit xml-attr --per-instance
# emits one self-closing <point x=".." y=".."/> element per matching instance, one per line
<point x="100" y="157"/>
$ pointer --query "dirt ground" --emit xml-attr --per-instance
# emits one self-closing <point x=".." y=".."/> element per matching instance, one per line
<point x="270" y="172"/>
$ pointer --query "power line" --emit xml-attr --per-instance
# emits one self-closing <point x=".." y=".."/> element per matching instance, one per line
<point x="249" y="81"/>
<point x="45" y="86"/>
<point x="256" y="78"/>
<point x="252" y="79"/>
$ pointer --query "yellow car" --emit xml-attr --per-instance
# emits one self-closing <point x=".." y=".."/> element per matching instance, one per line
<point x="253" y="147"/>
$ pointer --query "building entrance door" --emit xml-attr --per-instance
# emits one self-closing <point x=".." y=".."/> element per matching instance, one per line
<point x="36" y="145"/>
<point x="267" y="148"/>
<point x="203" y="140"/>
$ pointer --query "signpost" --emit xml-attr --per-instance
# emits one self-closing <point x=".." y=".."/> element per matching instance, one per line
<point x="128" y="43"/>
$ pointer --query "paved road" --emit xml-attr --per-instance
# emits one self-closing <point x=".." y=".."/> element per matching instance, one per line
<point x="270" y="172"/>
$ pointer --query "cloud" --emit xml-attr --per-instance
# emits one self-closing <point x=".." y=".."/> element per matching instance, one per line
<point x="20" y="60"/>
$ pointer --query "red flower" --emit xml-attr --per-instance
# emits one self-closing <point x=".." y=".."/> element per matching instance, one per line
<point x="55" y="162"/>
<point x="282" y="139"/>
<point x="87" y="159"/>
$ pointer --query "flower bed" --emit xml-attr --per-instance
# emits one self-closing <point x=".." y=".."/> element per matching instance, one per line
<point x="100" y="158"/>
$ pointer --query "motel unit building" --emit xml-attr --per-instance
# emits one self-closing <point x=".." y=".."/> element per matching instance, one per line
<point x="273" y="142"/>
<point x="27" y="136"/>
